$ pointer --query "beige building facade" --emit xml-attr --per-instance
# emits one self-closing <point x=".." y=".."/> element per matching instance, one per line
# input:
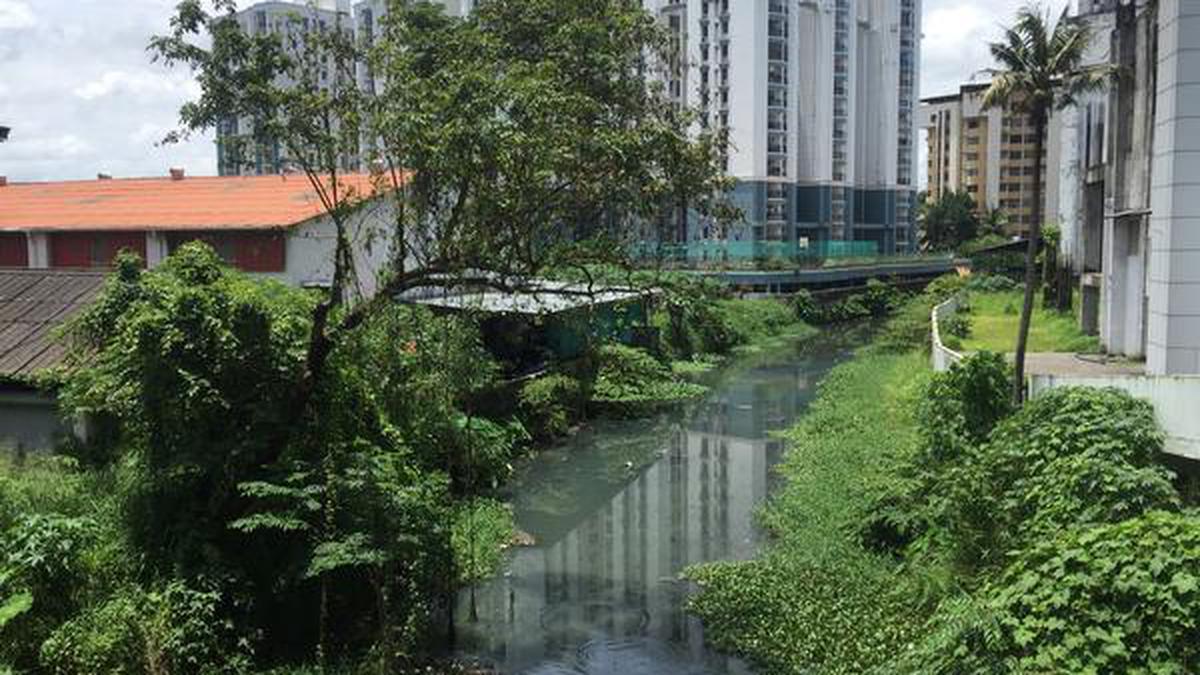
<point x="989" y="154"/>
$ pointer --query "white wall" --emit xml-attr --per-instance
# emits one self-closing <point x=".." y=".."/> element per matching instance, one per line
<point x="1173" y="331"/>
<point x="311" y="246"/>
<point x="1174" y="399"/>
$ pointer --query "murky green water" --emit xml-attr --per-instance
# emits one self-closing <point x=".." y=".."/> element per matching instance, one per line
<point x="621" y="509"/>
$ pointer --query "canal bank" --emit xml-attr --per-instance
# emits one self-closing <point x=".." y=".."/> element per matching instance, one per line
<point x="619" y="511"/>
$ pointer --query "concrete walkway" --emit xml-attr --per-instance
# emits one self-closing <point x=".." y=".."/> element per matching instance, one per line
<point x="1081" y="365"/>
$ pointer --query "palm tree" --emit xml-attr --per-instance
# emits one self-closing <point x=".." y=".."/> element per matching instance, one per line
<point x="1040" y="69"/>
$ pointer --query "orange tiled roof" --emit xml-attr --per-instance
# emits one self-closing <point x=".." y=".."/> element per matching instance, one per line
<point x="235" y="202"/>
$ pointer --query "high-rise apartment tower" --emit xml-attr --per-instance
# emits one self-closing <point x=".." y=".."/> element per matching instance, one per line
<point x="818" y="97"/>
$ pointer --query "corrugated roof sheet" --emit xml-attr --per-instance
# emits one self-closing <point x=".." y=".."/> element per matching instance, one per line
<point x="32" y="304"/>
<point x="136" y="204"/>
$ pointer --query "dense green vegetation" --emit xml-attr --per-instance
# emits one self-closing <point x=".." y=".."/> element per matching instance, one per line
<point x="200" y="528"/>
<point x="191" y="505"/>
<point x="877" y="299"/>
<point x="949" y="222"/>
<point x="815" y="597"/>
<point x="963" y="535"/>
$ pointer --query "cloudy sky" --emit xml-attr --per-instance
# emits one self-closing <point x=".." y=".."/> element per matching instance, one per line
<point x="83" y="96"/>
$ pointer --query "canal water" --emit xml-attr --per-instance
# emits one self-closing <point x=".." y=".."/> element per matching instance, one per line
<point x="620" y="510"/>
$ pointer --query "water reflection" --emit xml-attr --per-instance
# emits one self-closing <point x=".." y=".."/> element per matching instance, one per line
<point x="620" y="511"/>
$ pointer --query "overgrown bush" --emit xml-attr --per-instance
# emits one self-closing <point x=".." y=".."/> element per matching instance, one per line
<point x="482" y="530"/>
<point x="956" y="411"/>
<point x="876" y="300"/>
<point x="550" y="404"/>
<point x="1115" y="598"/>
<point x="991" y="283"/>
<point x="910" y="327"/>
<point x="488" y="449"/>
<point x="1069" y="457"/>
<point x="629" y="381"/>
<point x="44" y="579"/>
<point x="175" y="629"/>
<point x="689" y="321"/>
<point x="750" y="321"/>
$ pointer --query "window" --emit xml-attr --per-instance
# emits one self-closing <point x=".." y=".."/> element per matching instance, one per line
<point x="777" y="73"/>
<point x="777" y="50"/>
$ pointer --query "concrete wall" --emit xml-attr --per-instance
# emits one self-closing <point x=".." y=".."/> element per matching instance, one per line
<point x="942" y="356"/>
<point x="311" y="245"/>
<point x="1173" y="328"/>
<point x="29" y="421"/>
<point x="1175" y="402"/>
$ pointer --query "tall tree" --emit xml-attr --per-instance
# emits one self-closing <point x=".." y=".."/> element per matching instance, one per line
<point x="949" y="222"/>
<point x="524" y="137"/>
<point x="1039" y="69"/>
<point x="503" y="140"/>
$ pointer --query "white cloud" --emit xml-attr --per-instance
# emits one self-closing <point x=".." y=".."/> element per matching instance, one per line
<point x="137" y="83"/>
<point x="49" y="148"/>
<point x="15" y="15"/>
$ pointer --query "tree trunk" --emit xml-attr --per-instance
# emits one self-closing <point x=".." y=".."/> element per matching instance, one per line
<point x="1031" y="272"/>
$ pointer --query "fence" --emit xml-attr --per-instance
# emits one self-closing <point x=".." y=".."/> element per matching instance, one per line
<point x="743" y="251"/>
<point x="943" y="357"/>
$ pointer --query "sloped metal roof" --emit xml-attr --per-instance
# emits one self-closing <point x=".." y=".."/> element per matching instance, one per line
<point x="33" y="303"/>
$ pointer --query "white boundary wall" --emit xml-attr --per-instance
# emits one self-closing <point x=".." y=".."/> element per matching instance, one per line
<point x="943" y="356"/>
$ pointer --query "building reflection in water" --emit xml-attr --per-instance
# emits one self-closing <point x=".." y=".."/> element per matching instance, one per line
<point x="600" y="593"/>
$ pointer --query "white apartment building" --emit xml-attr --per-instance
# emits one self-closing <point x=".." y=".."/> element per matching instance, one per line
<point x="292" y="21"/>
<point x="818" y="97"/>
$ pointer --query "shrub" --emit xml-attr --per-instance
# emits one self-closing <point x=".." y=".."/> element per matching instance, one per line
<point x="750" y="321"/>
<point x="956" y="325"/>
<point x="806" y="308"/>
<point x="482" y="530"/>
<point x="956" y="410"/>
<point x="910" y="327"/>
<point x="550" y="404"/>
<point x="44" y="560"/>
<point x="991" y="283"/>
<point x="1117" y="598"/>
<point x="630" y="381"/>
<point x="490" y="448"/>
<point x="1072" y="456"/>
<point x="688" y="319"/>
<point x="175" y="629"/>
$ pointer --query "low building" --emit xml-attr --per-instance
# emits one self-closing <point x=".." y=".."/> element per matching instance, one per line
<point x="274" y="226"/>
<point x="546" y="321"/>
<point x="33" y="305"/>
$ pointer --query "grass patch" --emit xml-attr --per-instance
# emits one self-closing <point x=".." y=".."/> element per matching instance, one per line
<point x="995" y="318"/>
<point x="816" y="601"/>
